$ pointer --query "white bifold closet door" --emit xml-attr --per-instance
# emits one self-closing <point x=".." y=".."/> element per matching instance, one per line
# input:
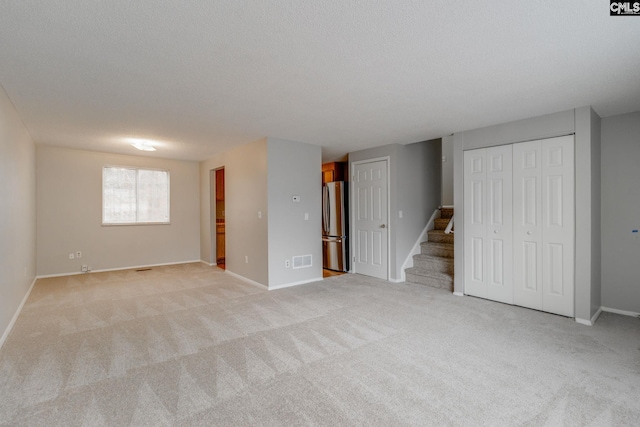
<point x="488" y="223"/>
<point x="519" y="224"/>
<point x="544" y="225"/>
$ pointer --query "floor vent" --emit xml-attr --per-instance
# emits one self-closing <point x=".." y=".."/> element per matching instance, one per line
<point x="143" y="269"/>
<point x="302" y="261"/>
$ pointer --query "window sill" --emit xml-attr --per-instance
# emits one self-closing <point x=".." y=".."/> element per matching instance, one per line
<point x="133" y="223"/>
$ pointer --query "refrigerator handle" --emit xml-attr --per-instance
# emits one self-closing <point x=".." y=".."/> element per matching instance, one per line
<point x="326" y="210"/>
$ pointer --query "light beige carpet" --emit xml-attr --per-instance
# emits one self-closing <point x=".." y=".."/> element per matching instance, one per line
<point x="190" y="345"/>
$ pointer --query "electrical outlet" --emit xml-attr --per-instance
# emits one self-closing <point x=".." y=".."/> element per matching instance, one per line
<point x="72" y="256"/>
<point x="79" y="254"/>
<point x="287" y="264"/>
<point x="88" y="268"/>
<point x="259" y="214"/>
<point x="246" y="259"/>
<point x="306" y="216"/>
<point x="85" y="268"/>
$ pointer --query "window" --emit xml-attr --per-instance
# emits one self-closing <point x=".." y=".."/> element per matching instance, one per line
<point x="134" y="196"/>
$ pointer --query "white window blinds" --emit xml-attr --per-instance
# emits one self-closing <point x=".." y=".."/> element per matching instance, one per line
<point x="134" y="196"/>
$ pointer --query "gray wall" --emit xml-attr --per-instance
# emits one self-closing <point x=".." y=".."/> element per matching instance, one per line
<point x="587" y="158"/>
<point x="245" y="182"/>
<point x="415" y="189"/>
<point x="620" y="207"/>
<point x="70" y="214"/>
<point x="294" y="169"/>
<point x="580" y="122"/>
<point x="17" y="212"/>
<point x="447" y="171"/>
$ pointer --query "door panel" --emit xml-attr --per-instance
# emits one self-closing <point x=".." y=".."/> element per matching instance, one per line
<point x="488" y="229"/>
<point x="527" y="236"/>
<point x="475" y="181"/>
<point x="558" y="225"/>
<point x="371" y="222"/>
<point x="499" y="224"/>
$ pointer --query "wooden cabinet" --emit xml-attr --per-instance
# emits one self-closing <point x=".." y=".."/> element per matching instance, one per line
<point x="334" y="171"/>
<point x="220" y="185"/>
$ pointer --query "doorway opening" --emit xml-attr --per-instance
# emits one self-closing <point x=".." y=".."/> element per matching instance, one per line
<point x="218" y="218"/>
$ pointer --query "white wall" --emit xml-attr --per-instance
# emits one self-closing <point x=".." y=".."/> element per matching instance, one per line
<point x="620" y="208"/>
<point x="17" y="213"/>
<point x="70" y="214"/>
<point x="415" y="189"/>
<point x="580" y="121"/>
<point x="245" y="195"/>
<point x="418" y="194"/>
<point x="294" y="169"/>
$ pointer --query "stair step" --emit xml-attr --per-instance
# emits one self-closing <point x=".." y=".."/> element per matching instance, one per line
<point x="433" y="263"/>
<point x="441" y="223"/>
<point x="438" y="236"/>
<point x="446" y="213"/>
<point x="429" y="278"/>
<point x="444" y="250"/>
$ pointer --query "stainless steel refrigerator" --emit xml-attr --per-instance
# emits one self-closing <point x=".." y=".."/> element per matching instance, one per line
<point x="334" y="226"/>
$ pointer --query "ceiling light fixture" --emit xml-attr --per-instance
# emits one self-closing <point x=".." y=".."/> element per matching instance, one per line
<point x="142" y="144"/>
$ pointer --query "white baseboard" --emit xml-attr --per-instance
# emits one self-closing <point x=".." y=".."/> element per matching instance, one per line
<point x="408" y="262"/>
<point x="208" y="263"/>
<point x="7" y="331"/>
<point x="75" y="273"/>
<point x="447" y="206"/>
<point x="251" y="282"/>
<point x="458" y="294"/>
<point x="623" y="312"/>
<point x="593" y="319"/>
<point x="301" y="282"/>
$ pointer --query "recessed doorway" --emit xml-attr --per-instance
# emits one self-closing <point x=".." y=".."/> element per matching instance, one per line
<point x="218" y="228"/>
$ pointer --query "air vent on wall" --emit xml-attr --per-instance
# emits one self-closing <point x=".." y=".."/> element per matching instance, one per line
<point x="302" y="261"/>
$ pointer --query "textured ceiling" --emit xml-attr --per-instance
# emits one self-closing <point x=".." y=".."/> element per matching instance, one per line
<point x="204" y="76"/>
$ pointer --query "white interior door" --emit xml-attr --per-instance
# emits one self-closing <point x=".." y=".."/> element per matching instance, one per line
<point x="527" y="231"/>
<point x="488" y="226"/>
<point x="475" y="227"/>
<point x="544" y="225"/>
<point x="499" y="248"/>
<point x="558" y="225"/>
<point x="371" y="227"/>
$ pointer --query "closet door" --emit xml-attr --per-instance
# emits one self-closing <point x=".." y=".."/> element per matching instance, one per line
<point x="544" y="225"/>
<point x="558" y="225"/>
<point x="488" y="228"/>
<point x="527" y="230"/>
<point x="499" y="251"/>
<point x="475" y="228"/>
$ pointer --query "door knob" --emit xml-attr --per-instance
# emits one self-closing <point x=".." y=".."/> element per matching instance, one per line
<point x="529" y="233"/>
<point x="495" y="231"/>
<point x="383" y="226"/>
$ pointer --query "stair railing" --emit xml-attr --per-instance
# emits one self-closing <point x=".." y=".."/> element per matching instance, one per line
<point x="449" y="228"/>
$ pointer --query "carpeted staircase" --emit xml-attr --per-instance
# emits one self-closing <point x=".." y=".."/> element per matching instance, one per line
<point x="434" y="265"/>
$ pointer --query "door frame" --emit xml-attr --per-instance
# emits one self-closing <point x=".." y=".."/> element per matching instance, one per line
<point x="213" y="249"/>
<point x="352" y="222"/>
